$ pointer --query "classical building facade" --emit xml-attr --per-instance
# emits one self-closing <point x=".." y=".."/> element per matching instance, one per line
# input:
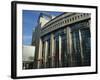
<point x="63" y="41"/>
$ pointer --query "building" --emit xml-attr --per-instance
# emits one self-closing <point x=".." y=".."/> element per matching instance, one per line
<point x="63" y="41"/>
<point x="28" y="56"/>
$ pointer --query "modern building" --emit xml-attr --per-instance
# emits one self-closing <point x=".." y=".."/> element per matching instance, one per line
<point x="28" y="56"/>
<point x="63" y="41"/>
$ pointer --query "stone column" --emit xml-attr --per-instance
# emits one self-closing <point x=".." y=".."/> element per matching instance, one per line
<point x="52" y="49"/>
<point x="40" y="54"/>
<point x="69" y="46"/>
<point x="60" y="64"/>
<point x="80" y="38"/>
<point x="45" y="53"/>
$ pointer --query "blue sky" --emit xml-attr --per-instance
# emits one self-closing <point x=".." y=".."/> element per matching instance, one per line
<point x="30" y="18"/>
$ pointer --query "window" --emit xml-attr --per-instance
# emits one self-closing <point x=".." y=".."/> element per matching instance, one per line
<point x="81" y="15"/>
<point x="78" y="17"/>
<point x="75" y="17"/>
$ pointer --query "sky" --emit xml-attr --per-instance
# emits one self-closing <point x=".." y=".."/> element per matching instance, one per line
<point x="29" y="23"/>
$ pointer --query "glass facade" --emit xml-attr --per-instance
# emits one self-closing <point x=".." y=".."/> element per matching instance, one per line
<point x="86" y="45"/>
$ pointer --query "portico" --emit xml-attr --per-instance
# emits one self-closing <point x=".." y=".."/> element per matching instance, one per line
<point x="67" y="44"/>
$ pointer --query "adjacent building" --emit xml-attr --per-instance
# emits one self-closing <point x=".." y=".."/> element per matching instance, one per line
<point x="28" y="56"/>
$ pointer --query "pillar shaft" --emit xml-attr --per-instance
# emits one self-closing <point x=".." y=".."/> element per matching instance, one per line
<point x="52" y="49"/>
<point x="80" y="38"/>
<point x="46" y="52"/>
<point x="69" y="46"/>
<point x="40" y="54"/>
<point x="60" y="64"/>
